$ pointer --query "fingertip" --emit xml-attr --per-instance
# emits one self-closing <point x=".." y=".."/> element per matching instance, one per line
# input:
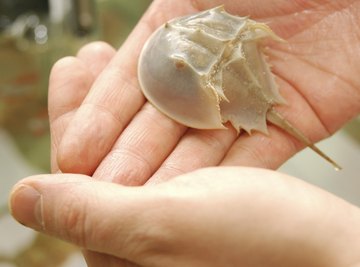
<point x="97" y="47"/>
<point x="88" y="138"/>
<point x="65" y="64"/>
<point x="96" y="55"/>
<point x="25" y="203"/>
<point x="72" y="159"/>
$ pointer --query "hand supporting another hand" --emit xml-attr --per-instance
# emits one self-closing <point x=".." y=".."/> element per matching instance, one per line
<point x="212" y="217"/>
<point x="102" y="126"/>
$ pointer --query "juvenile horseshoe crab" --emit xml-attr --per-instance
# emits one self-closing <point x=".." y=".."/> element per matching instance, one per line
<point x="206" y="69"/>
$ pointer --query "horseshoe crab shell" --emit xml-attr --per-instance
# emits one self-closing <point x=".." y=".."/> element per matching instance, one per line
<point x="207" y="69"/>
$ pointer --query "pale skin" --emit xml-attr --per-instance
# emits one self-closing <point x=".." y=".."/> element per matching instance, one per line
<point x="102" y="126"/>
<point x="222" y="216"/>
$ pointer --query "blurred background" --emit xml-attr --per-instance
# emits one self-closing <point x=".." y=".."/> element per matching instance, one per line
<point x="33" y="35"/>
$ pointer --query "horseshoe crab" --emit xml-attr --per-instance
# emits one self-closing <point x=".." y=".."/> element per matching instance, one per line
<point x="207" y="69"/>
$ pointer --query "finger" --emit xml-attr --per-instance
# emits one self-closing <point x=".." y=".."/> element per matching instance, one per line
<point x="98" y="216"/>
<point x="141" y="148"/>
<point x="91" y="59"/>
<point x="70" y="81"/>
<point x="114" y="99"/>
<point x="197" y="149"/>
<point x="96" y="56"/>
<point x="68" y="85"/>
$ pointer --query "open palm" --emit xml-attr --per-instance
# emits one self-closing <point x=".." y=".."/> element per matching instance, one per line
<point x="116" y="134"/>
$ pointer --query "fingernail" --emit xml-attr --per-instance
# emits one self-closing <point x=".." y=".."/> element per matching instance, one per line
<point x="26" y="206"/>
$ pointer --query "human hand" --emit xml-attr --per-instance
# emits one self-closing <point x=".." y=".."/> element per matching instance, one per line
<point x="224" y="216"/>
<point x="114" y="133"/>
<point x="147" y="144"/>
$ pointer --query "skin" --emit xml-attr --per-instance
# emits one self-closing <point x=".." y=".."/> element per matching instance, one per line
<point x="102" y="126"/>
<point x="223" y="216"/>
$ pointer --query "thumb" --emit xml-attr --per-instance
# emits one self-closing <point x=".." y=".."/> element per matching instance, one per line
<point x="98" y="216"/>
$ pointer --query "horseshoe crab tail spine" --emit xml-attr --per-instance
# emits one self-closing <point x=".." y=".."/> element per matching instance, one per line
<point x="277" y="119"/>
